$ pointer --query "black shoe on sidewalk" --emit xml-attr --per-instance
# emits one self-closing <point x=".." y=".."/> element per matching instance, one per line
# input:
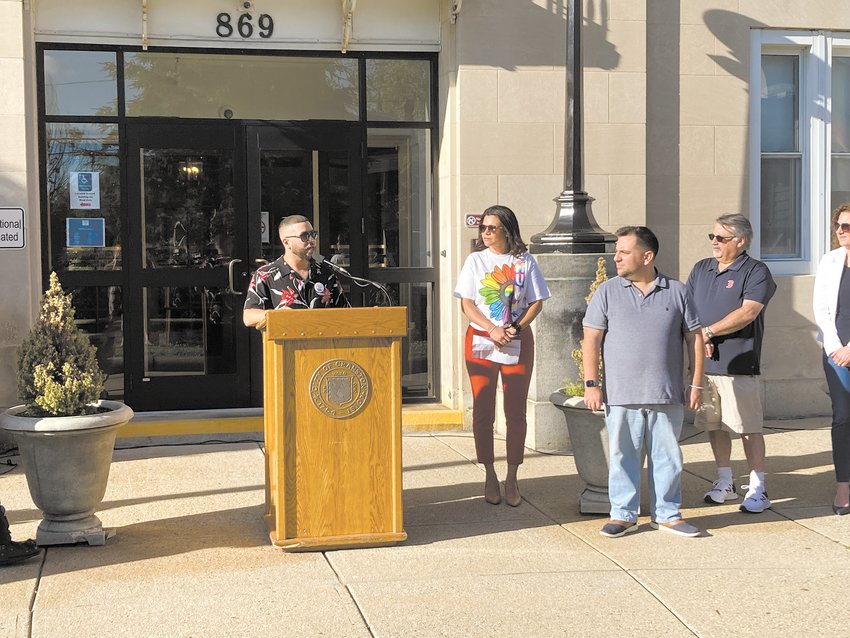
<point x="14" y="552"/>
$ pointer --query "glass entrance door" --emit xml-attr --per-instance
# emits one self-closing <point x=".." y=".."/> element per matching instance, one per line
<point x="310" y="171"/>
<point x="188" y="348"/>
<point x="304" y="170"/>
<point x="204" y="213"/>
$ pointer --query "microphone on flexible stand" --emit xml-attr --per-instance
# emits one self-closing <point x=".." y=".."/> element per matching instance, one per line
<point x="360" y="281"/>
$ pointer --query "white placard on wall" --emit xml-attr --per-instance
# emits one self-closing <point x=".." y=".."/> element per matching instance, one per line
<point x="12" y="228"/>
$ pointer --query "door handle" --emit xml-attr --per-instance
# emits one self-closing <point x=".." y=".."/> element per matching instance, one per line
<point x="230" y="267"/>
<point x="261" y="262"/>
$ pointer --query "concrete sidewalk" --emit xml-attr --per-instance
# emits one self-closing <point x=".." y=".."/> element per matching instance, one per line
<point x="191" y="556"/>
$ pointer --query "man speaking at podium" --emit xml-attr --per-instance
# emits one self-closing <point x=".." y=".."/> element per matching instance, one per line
<point x="294" y="280"/>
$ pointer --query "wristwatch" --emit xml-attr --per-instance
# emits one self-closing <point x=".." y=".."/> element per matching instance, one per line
<point x="515" y="325"/>
<point x="708" y="333"/>
<point x="591" y="383"/>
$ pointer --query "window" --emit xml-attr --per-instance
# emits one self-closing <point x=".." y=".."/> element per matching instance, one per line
<point x="840" y="135"/>
<point x="76" y="149"/>
<point x="398" y="90"/>
<point x="209" y="85"/>
<point x="781" y="232"/>
<point x="800" y="136"/>
<point x="80" y="83"/>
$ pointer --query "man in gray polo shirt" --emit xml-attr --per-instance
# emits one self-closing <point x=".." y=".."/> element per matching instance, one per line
<point x="731" y="291"/>
<point x="640" y="320"/>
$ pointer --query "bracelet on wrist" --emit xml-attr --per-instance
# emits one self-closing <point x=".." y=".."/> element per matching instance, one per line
<point x="490" y="331"/>
<point x="696" y="387"/>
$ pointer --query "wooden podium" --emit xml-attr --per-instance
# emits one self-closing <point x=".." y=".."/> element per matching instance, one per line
<point x="332" y="420"/>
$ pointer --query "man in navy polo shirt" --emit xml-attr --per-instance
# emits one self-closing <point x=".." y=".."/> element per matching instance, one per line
<point x="731" y="291"/>
<point x="639" y="321"/>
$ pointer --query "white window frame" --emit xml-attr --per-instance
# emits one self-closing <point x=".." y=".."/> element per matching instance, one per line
<point x="814" y="49"/>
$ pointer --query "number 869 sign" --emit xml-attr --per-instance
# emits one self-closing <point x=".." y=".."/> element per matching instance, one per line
<point x="244" y="26"/>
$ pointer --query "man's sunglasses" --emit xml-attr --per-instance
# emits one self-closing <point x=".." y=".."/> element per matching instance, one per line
<point x="720" y="238"/>
<point x="844" y="227"/>
<point x="305" y="236"/>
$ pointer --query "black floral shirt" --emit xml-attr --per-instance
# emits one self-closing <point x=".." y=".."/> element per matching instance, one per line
<point x="276" y="285"/>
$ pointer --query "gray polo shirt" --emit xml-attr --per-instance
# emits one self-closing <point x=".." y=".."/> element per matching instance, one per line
<point x="643" y="344"/>
<point x="716" y="293"/>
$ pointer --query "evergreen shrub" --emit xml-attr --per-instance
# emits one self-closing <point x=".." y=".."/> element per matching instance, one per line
<point x="58" y="373"/>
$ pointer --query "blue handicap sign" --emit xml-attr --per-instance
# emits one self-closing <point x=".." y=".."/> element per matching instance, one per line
<point x="84" y="182"/>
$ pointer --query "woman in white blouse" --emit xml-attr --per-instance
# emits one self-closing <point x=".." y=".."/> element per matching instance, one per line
<point x="832" y="314"/>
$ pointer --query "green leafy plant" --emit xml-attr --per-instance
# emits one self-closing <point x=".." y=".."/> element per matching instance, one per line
<point x="575" y="386"/>
<point x="58" y="373"/>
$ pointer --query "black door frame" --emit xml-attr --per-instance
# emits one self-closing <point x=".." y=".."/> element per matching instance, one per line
<point x="119" y="278"/>
<point x="222" y="390"/>
<point x="246" y="139"/>
<point x="314" y="136"/>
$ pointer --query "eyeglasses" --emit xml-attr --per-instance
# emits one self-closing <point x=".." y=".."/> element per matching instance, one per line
<point x="720" y="238"/>
<point x="305" y="236"/>
<point x="843" y="227"/>
<point x="488" y="229"/>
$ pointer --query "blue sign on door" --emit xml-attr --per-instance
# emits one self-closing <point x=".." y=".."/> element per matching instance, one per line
<point x="85" y="232"/>
<point x="84" y="182"/>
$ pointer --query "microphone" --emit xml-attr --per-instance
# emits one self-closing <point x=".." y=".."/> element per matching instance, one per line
<point x="359" y="281"/>
<point x="319" y="258"/>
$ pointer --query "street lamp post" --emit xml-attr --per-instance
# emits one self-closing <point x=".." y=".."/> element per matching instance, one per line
<point x="573" y="230"/>
<point x="567" y="254"/>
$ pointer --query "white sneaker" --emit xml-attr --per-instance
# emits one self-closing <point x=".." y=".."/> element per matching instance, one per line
<point x="756" y="501"/>
<point x="720" y="492"/>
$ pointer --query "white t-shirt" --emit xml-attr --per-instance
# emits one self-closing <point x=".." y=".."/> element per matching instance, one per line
<point x="502" y="286"/>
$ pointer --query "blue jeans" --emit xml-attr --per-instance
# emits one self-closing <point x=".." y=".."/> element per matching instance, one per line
<point x="629" y="427"/>
<point x="838" y="381"/>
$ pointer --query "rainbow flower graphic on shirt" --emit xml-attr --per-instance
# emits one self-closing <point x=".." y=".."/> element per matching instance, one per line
<point x="497" y="288"/>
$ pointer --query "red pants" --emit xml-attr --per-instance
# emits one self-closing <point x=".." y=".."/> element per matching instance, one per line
<point x="516" y="379"/>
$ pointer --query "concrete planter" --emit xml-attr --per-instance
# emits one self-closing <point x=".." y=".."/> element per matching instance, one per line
<point x="67" y="461"/>
<point x="589" y="439"/>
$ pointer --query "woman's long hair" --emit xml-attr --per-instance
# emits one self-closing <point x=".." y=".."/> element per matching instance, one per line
<point x="510" y="226"/>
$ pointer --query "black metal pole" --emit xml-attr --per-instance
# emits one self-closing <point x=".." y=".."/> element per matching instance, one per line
<point x="573" y="230"/>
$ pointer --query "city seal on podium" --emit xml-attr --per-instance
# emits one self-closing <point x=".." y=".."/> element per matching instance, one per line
<point x="340" y="388"/>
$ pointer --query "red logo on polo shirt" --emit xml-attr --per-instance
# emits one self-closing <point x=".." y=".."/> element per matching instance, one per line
<point x="730" y="283"/>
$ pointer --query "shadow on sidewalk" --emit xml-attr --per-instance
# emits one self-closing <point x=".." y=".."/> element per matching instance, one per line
<point x="434" y="513"/>
<point x="148" y="540"/>
<point x="30" y="515"/>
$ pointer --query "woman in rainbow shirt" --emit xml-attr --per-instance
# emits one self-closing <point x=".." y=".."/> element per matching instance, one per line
<point x="501" y="292"/>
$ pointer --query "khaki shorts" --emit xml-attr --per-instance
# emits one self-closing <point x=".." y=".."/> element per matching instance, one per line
<point x="732" y="404"/>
